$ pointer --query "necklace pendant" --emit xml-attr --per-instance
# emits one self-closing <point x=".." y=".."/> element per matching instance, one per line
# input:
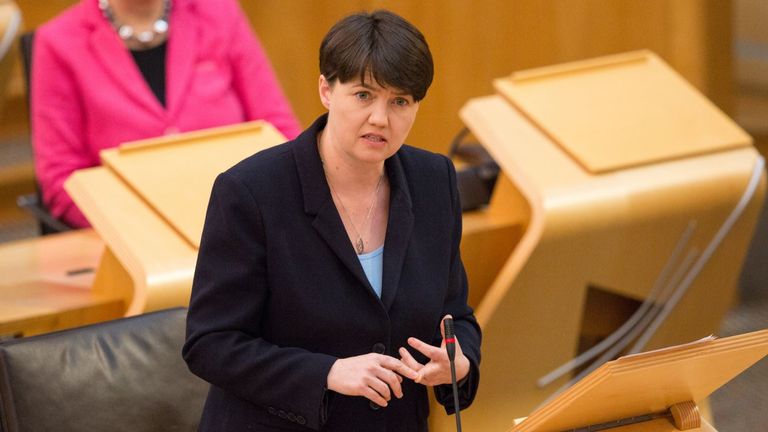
<point x="359" y="246"/>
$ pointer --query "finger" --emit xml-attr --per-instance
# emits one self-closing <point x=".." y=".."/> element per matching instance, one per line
<point x="425" y="348"/>
<point x="407" y="358"/>
<point x="459" y="352"/>
<point x="390" y="378"/>
<point x="373" y="396"/>
<point x="379" y="386"/>
<point x="428" y="373"/>
<point x="399" y="366"/>
<point x="394" y="384"/>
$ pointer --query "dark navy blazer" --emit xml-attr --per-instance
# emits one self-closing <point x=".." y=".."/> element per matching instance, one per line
<point x="279" y="293"/>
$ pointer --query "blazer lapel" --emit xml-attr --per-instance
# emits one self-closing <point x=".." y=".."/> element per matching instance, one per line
<point x="117" y="60"/>
<point x="182" y="54"/>
<point x="330" y="227"/>
<point x="318" y="202"/>
<point x="399" y="228"/>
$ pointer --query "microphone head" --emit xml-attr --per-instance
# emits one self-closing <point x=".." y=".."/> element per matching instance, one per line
<point x="448" y="328"/>
<point x="450" y="339"/>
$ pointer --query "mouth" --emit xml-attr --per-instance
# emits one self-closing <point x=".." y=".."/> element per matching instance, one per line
<point x="374" y="138"/>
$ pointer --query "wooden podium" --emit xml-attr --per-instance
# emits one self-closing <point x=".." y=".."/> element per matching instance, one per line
<point x="148" y="203"/>
<point x="627" y="201"/>
<point x="654" y="391"/>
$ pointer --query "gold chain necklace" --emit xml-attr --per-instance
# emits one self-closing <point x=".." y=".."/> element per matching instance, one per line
<point x="359" y="243"/>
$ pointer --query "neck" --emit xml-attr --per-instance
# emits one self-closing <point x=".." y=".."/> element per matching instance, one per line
<point x="136" y="11"/>
<point x="344" y="172"/>
<point x="141" y="24"/>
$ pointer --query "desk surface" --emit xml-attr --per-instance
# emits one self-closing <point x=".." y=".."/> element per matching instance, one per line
<point x="46" y="284"/>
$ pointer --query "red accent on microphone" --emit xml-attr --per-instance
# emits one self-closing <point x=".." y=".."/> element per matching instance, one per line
<point x="450" y="340"/>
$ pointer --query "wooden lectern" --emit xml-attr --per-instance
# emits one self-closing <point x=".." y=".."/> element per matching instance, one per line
<point x="651" y="392"/>
<point x="627" y="201"/>
<point x="148" y="202"/>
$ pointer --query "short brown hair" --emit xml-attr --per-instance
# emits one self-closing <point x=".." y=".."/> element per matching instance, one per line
<point x="383" y="44"/>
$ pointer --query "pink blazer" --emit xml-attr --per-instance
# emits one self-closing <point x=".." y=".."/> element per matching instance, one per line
<point x="89" y="95"/>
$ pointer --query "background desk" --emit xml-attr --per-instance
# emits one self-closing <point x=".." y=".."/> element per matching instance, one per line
<point x="46" y="284"/>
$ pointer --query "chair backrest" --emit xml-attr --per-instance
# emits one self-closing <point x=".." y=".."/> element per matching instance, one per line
<point x="25" y="45"/>
<point x="122" y="375"/>
<point x="33" y="203"/>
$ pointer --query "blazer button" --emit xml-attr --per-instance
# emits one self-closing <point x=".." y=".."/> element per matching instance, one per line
<point x="373" y="406"/>
<point x="301" y="420"/>
<point x="379" y="348"/>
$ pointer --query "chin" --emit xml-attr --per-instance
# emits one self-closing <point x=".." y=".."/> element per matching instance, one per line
<point x="377" y="156"/>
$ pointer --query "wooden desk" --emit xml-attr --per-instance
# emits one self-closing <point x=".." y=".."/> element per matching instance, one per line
<point x="664" y="384"/>
<point x="46" y="284"/>
<point x="601" y="241"/>
<point x="659" y="425"/>
<point x="147" y="202"/>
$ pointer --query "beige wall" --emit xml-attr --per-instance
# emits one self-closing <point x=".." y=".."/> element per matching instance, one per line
<point x="476" y="41"/>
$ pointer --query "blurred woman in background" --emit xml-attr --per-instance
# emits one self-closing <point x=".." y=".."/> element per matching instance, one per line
<point x="109" y="71"/>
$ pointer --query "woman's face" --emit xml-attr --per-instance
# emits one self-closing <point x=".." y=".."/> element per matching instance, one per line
<point x="366" y="122"/>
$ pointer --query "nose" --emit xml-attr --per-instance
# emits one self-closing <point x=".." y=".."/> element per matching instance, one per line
<point x="379" y="113"/>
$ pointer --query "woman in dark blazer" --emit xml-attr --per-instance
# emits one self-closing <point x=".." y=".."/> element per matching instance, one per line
<point x="322" y="259"/>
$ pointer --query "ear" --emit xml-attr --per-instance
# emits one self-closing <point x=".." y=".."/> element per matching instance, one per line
<point x="324" y="89"/>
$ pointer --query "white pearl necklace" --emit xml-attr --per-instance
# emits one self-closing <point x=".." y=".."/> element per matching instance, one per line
<point x="127" y="33"/>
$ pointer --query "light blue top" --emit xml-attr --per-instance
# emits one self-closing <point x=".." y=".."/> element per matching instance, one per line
<point x="373" y="265"/>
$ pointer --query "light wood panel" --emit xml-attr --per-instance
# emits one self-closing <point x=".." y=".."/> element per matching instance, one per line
<point x="649" y="383"/>
<point x="180" y="198"/>
<point x="151" y="234"/>
<point x="751" y="44"/>
<point x="475" y="42"/>
<point x="595" y="111"/>
<point x="10" y="27"/>
<point x="46" y="284"/>
<point x="614" y="231"/>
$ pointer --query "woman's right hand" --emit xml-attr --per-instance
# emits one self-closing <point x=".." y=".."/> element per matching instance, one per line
<point x="373" y="376"/>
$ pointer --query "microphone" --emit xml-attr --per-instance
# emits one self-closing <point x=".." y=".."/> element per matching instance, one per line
<point x="450" y="348"/>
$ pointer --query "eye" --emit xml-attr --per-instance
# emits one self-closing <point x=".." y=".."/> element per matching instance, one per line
<point x="402" y="102"/>
<point x="363" y="95"/>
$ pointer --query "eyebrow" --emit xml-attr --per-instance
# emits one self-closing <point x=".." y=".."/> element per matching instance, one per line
<point x="367" y="86"/>
<point x="370" y="87"/>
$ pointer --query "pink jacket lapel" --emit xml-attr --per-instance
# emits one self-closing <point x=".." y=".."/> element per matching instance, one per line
<point x="182" y="54"/>
<point x="116" y="59"/>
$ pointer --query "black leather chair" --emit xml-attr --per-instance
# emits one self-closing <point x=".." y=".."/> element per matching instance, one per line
<point x="476" y="177"/>
<point x="122" y="375"/>
<point x="33" y="203"/>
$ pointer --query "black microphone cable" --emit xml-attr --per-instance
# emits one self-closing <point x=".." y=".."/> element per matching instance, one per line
<point x="450" y="347"/>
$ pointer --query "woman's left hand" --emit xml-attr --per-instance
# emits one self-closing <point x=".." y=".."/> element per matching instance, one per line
<point x="437" y="370"/>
